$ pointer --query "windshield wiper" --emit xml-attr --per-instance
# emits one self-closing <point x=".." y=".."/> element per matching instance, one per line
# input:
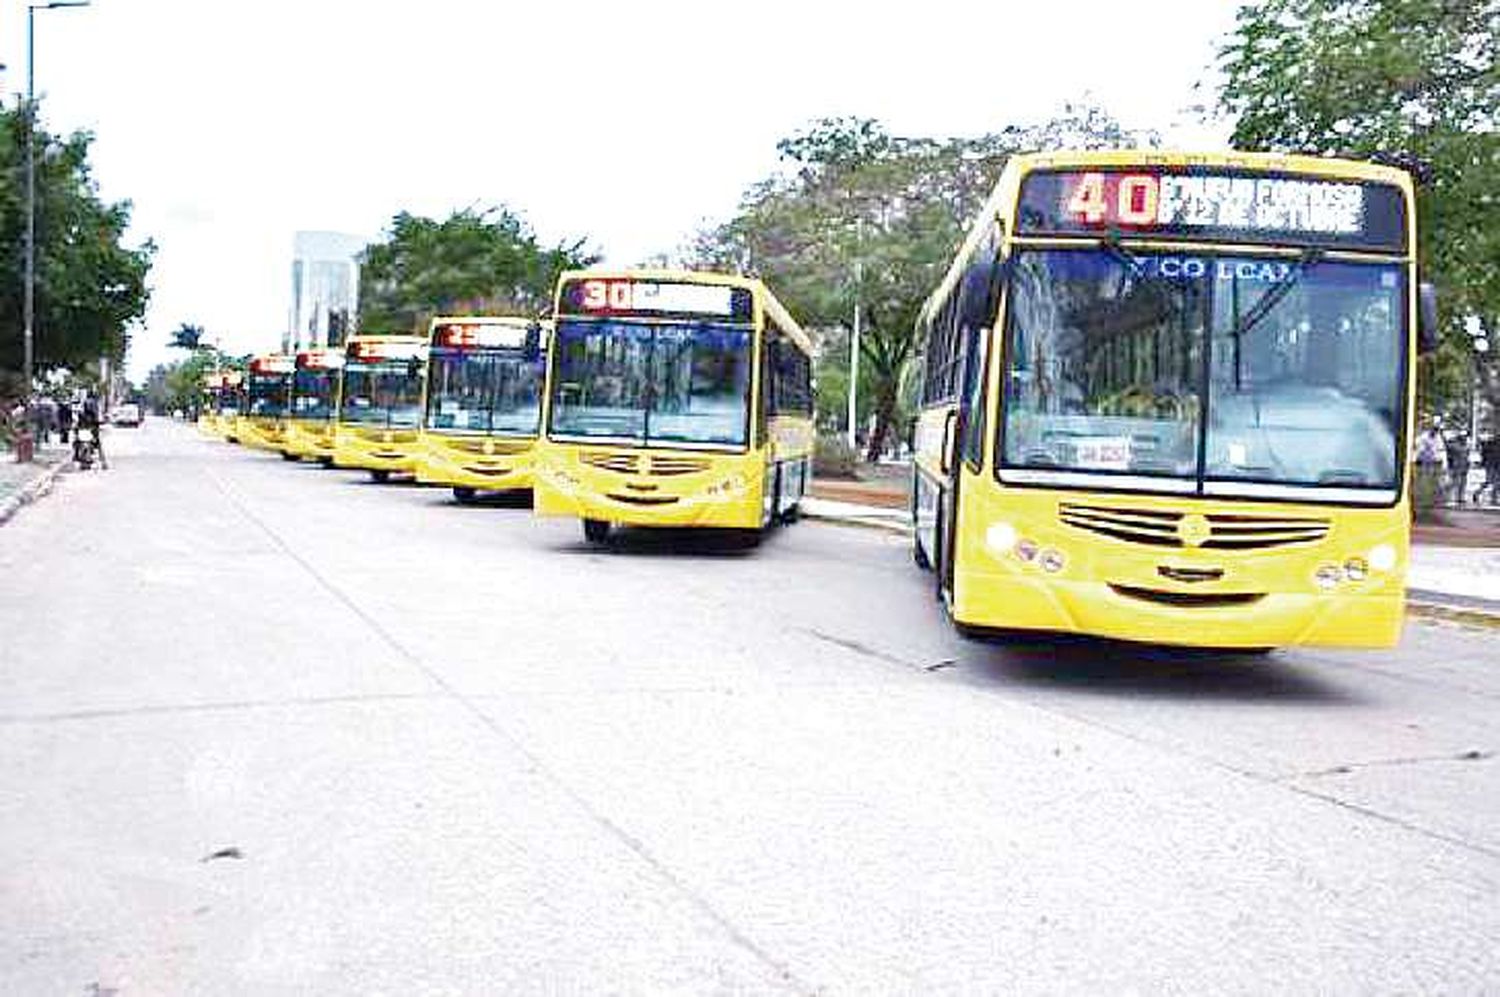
<point x="1310" y="258"/>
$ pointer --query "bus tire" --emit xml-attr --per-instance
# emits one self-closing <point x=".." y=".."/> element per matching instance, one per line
<point x="791" y="514"/>
<point x="326" y="461"/>
<point x="380" y="477"/>
<point x="464" y="494"/>
<point x="289" y="456"/>
<point x="918" y="555"/>
<point x="595" y="531"/>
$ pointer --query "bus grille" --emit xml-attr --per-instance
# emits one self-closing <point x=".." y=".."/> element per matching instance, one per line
<point x="498" y="448"/>
<point x="395" y="436"/>
<point x="1163" y="528"/>
<point x="620" y="463"/>
<point x="668" y="466"/>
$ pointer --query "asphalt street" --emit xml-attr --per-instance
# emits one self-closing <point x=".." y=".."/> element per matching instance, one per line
<point x="271" y="727"/>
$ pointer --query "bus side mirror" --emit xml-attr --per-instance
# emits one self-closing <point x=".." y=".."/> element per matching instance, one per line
<point x="531" y="349"/>
<point x="1427" y="318"/>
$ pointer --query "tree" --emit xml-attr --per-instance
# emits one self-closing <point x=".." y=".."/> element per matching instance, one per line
<point x="1414" y="82"/>
<point x="896" y="206"/>
<point x="187" y="337"/>
<point x="90" y="286"/>
<point x="473" y="261"/>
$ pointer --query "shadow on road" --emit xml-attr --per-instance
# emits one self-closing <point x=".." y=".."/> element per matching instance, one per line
<point x="517" y="499"/>
<point x="673" y="542"/>
<point x="1094" y="666"/>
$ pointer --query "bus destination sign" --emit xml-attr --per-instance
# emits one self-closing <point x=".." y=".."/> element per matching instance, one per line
<point x="470" y="335"/>
<point x="374" y="351"/>
<point x="1215" y="205"/>
<point x="627" y="296"/>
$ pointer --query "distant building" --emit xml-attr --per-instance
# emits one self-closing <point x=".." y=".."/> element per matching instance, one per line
<point x="325" y="289"/>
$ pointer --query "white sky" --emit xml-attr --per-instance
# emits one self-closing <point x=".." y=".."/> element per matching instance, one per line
<point x="231" y="125"/>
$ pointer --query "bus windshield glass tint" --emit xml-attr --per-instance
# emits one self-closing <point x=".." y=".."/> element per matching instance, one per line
<point x="483" y="391"/>
<point x="312" y="393"/>
<point x="383" y="393"/>
<point x="1109" y="355"/>
<point x="652" y="382"/>
<point x="265" y="395"/>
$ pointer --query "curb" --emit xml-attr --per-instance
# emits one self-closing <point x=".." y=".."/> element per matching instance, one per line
<point x="30" y="492"/>
<point x="885" y="526"/>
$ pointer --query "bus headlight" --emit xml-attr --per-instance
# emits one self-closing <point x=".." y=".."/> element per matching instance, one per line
<point x="1001" y="537"/>
<point x="1383" y="557"/>
<point x="1027" y="550"/>
<point x="1356" y="570"/>
<point x="729" y="486"/>
<point x="1051" y="560"/>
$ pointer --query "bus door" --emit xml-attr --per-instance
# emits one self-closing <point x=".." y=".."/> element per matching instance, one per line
<point x="963" y="435"/>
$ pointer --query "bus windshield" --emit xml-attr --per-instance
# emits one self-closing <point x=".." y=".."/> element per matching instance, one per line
<point x="1214" y="370"/>
<point x="312" y="393"/>
<point x="265" y="395"/>
<point x="483" y="390"/>
<point x="382" y="392"/>
<point x="649" y="382"/>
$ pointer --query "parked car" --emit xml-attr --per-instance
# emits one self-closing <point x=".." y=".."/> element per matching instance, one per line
<point x="128" y="414"/>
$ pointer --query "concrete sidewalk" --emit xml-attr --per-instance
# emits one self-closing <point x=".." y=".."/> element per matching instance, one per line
<point x="1464" y="580"/>
<point x="22" y="484"/>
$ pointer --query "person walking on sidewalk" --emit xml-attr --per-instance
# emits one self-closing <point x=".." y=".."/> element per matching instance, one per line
<point x="1431" y="458"/>
<point x="1489" y="459"/>
<point x="1458" y="466"/>
<point x="64" y="420"/>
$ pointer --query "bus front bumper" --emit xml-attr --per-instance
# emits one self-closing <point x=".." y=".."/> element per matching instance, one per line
<point x="313" y="440"/>
<point x="1370" y="618"/>
<point x="455" y="463"/>
<point x="559" y="494"/>
<point x="393" y="452"/>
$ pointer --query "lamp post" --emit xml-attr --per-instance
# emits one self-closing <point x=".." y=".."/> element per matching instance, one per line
<point x="859" y="232"/>
<point x="29" y="293"/>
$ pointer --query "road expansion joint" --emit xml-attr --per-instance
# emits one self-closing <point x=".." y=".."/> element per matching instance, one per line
<point x="534" y="762"/>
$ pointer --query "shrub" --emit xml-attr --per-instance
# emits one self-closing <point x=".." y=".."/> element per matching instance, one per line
<point x="833" y="457"/>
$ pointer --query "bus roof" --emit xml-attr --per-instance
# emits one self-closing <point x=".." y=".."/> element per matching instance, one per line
<point x="755" y="285"/>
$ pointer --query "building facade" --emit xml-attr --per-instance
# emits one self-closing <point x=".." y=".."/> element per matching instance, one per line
<point x="325" y="289"/>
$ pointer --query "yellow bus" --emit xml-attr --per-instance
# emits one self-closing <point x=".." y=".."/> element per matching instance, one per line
<point x="483" y="404"/>
<point x="380" y="404"/>
<point x="228" y="402"/>
<point x="674" y="399"/>
<point x="208" y="404"/>
<point x="314" y="400"/>
<point x="268" y="380"/>
<point x="1167" y="398"/>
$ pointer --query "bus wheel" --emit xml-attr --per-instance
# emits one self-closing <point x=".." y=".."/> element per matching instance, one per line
<point x="919" y="555"/>
<point x="595" y="531"/>
<point x="381" y="476"/>
<point x="464" y="494"/>
<point x="289" y="456"/>
<point x="326" y="461"/>
<point x="791" y="514"/>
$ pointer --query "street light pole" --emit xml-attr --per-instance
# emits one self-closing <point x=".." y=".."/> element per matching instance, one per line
<point x="859" y="231"/>
<point x="28" y="306"/>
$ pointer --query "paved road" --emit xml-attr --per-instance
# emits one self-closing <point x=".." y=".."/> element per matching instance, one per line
<point x="454" y="749"/>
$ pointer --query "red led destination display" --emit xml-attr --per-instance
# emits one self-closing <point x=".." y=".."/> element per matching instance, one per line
<point x="479" y="335"/>
<point x="614" y="296"/>
<point x="366" y="351"/>
<point x="1214" y="205"/>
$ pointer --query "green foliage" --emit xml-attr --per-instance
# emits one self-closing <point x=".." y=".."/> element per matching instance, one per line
<point x="865" y="215"/>
<point x="473" y="261"/>
<point x="1409" y="81"/>
<point x="187" y="337"/>
<point x="90" y="286"/>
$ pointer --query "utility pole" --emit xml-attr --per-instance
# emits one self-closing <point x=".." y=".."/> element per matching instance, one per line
<point x="859" y="231"/>
<point x="28" y="305"/>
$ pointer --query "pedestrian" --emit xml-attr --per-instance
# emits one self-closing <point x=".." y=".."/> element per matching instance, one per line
<point x="64" y="420"/>
<point x="1489" y="459"/>
<point x="1458" y="466"/>
<point x="39" y="421"/>
<point x="1431" y="458"/>
<point x="88" y="422"/>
